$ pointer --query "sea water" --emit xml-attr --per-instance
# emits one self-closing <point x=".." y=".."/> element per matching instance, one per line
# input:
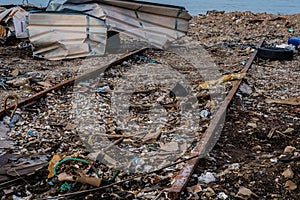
<point x="196" y="7"/>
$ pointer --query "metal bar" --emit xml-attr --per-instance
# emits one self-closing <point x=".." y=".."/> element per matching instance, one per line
<point x="71" y="81"/>
<point x="204" y="145"/>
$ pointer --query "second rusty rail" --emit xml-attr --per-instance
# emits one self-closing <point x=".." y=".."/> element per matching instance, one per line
<point x="71" y="81"/>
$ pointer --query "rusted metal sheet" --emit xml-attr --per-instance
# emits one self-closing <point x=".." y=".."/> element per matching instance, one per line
<point x="209" y="139"/>
<point x="56" y="35"/>
<point x="159" y="24"/>
<point x="91" y="74"/>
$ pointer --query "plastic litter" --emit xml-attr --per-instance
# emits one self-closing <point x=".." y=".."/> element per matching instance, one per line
<point x="68" y="159"/>
<point x="206" y="178"/>
<point x="65" y="187"/>
<point x="103" y="89"/>
<point x="50" y="183"/>
<point x="222" y="196"/>
<point x="204" y="114"/>
<point x="287" y="46"/>
<point x="81" y="179"/>
<point x="31" y="134"/>
<point x="223" y="79"/>
<point x="3" y="83"/>
<point x="55" y="159"/>
<point x="13" y="121"/>
<point x="295" y="42"/>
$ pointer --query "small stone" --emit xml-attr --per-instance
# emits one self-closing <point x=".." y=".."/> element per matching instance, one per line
<point x="290" y="185"/>
<point x="257" y="147"/>
<point x="15" y="72"/>
<point x="196" y="188"/>
<point x="245" y="193"/>
<point x="18" y="82"/>
<point x="209" y="192"/>
<point x="288" y="173"/>
<point x="245" y="89"/>
<point x="252" y="124"/>
<point x="234" y="166"/>
<point x="248" y="49"/>
<point x="289" y="149"/>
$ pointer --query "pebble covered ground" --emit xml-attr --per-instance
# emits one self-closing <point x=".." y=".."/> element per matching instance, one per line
<point x="256" y="157"/>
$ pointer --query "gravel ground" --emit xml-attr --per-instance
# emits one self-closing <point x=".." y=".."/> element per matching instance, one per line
<point x="256" y="157"/>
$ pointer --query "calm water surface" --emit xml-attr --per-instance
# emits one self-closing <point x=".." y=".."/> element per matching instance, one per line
<point x="196" y="7"/>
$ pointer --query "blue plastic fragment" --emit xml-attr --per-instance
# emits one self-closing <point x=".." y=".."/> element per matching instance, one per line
<point x="31" y="134"/>
<point x="11" y="125"/>
<point x="103" y="89"/>
<point x="100" y="89"/>
<point x="13" y="121"/>
<point x="50" y="183"/>
<point x="294" y="41"/>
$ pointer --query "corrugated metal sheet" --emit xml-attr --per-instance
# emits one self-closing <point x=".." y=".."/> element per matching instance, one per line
<point x="157" y="23"/>
<point x="15" y="19"/>
<point x="56" y="35"/>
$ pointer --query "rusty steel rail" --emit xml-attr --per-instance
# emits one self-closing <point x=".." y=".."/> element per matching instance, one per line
<point x="90" y="74"/>
<point x="205" y="144"/>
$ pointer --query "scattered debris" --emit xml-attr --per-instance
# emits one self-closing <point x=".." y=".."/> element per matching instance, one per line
<point x="290" y="185"/>
<point x="245" y="89"/>
<point x="248" y="153"/>
<point x="15" y="19"/>
<point x="275" y="53"/>
<point x="225" y="78"/>
<point x="289" y="149"/>
<point x="292" y="101"/>
<point x="245" y="193"/>
<point x="288" y="173"/>
<point x="206" y="178"/>
<point x="222" y="196"/>
<point x="295" y="42"/>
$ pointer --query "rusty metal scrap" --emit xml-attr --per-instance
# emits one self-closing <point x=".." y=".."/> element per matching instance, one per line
<point x="208" y="140"/>
<point x="71" y="81"/>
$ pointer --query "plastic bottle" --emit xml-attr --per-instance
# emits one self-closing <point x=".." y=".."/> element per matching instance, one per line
<point x="294" y="41"/>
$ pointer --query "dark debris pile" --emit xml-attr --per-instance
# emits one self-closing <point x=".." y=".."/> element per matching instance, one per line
<point x="60" y="147"/>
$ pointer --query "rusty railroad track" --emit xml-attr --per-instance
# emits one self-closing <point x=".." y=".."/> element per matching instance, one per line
<point x="205" y="144"/>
